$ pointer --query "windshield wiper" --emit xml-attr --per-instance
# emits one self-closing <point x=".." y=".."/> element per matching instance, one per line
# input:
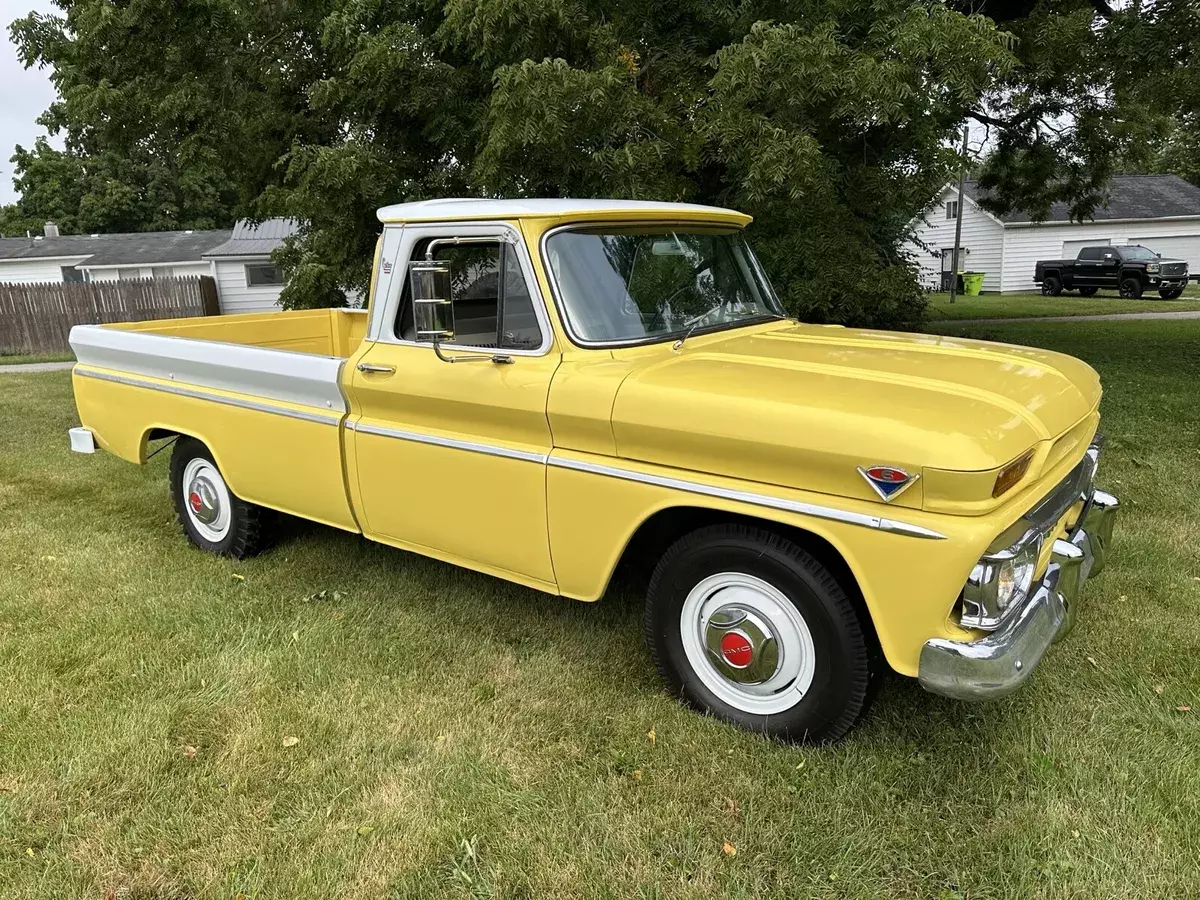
<point x="678" y="345"/>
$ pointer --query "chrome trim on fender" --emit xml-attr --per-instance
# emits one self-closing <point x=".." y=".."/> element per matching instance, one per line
<point x="795" y="506"/>
<point x="453" y="443"/>
<point x="179" y="390"/>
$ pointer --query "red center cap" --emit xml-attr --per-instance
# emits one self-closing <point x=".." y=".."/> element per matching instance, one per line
<point x="737" y="650"/>
<point x="194" y="499"/>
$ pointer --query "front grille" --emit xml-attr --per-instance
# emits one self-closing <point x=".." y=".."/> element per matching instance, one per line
<point x="1174" y="268"/>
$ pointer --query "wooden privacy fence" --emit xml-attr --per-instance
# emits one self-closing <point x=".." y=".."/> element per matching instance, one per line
<point x="37" y="318"/>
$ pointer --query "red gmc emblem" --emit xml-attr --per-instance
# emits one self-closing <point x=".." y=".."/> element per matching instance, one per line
<point x="736" y="649"/>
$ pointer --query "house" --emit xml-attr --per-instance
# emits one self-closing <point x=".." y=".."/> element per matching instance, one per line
<point x="247" y="280"/>
<point x="1161" y="212"/>
<point x="51" y="257"/>
<point x="239" y="261"/>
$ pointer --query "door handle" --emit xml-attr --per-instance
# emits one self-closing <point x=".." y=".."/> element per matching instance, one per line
<point x="368" y="367"/>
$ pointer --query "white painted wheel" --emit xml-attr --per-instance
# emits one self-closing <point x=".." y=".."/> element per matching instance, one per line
<point x="207" y="500"/>
<point x="747" y="643"/>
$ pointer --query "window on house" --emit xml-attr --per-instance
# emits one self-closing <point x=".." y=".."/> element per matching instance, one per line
<point x="262" y="275"/>
<point x="492" y="305"/>
<point x="129" y="274"/>
<point x="952" y="209"/>
<point x="72" y="275"/>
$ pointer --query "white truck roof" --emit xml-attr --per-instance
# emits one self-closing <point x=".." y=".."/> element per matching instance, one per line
<point x="476" y="208"/>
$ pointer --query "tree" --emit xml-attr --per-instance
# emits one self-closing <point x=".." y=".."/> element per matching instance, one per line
<point x="1097" y="88"/>
<point x="831" y="121"/>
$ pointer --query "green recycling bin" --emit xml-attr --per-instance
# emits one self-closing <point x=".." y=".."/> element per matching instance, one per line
<point x="972" y="283"/>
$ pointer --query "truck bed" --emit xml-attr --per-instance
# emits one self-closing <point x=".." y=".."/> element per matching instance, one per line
<point x="324" y="332"/>
<point x="237" y="383"/>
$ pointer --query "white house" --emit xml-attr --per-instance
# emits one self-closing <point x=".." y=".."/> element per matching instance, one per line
<point x="239" y="261"/>
<point x="51" y="257"/>
<point x="1161" y="212"/>
<point x="247" y="280"/>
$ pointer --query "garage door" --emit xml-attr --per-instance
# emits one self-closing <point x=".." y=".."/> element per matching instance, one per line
<point x="1071" y="248"/>
<point x="1180" y="247"/>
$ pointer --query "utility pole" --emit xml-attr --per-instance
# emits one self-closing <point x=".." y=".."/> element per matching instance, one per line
<point x="962" y="174"/>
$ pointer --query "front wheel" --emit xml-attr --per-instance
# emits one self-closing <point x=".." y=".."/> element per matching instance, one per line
<point x="212" y="516"/>
<point x="1131" y="288"/>
<point x="746" y="626"/>
<point x="1088" y="291"/>
<point x="1171" y="294"/>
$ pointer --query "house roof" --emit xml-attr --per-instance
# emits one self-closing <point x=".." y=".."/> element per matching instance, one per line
<point x="249" y="239"/>
<point x="475" y="208"/>
<point x="1129" y="197"/>
<point x="144" y="248"/>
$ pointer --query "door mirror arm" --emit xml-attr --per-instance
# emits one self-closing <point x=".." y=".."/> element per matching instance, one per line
<point x="499" y="359"/>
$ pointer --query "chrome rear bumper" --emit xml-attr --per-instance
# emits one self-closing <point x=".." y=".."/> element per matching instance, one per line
<point x="998" y="664"/>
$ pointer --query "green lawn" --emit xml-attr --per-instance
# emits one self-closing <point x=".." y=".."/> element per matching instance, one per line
<point x="340" y="720"/>
<point x="1022" y="306"/>
<point x="13" y="359"/>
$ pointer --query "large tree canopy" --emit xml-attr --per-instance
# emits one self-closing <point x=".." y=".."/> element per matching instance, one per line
<point x="831" y="121"/>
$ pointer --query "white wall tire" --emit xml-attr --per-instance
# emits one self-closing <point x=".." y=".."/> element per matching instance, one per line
<point x="746" y="626"/>
<point x="213" y="517"/>
<point x="207" y="499"/>
<point x="747" y="642"/>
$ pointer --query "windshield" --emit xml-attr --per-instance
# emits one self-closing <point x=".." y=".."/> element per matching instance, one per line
<point x="1137" y="253"/>
<point x="650" y="282"/>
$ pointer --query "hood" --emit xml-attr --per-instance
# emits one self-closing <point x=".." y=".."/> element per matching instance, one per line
<point x="805" y="405"/>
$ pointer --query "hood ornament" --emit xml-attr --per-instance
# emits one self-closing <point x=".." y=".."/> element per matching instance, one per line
<point x="888" y="481"/>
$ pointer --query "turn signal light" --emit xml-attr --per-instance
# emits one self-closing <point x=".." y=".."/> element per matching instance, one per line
<point x="1012" y="473"/>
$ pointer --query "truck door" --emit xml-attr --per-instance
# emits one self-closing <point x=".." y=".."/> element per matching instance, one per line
<point x="1088" y="268"/>
<point x="449" y="458"/>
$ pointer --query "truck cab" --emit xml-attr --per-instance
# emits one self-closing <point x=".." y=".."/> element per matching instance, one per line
<point x="547" y="390"/>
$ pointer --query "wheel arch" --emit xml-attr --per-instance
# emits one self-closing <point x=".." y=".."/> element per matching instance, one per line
<point x="661" y="528"/>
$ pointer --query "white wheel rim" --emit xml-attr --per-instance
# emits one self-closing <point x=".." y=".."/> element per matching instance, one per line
<point x="206" y="500"/>
<point x="747" y="643"/>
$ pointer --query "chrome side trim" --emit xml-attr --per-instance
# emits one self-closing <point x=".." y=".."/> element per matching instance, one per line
<point x="182" y="391"/>
<point x="453" y="443"/>
<point x="808" y="509"/>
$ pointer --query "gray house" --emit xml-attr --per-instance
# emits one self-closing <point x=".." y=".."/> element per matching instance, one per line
<point x="247" y="280"/>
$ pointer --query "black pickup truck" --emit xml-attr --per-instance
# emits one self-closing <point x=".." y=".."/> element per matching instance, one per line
<point x="1129" y="268"/>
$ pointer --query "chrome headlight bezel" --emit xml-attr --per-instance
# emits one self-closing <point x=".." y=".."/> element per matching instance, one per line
<point x="999" y="583"/>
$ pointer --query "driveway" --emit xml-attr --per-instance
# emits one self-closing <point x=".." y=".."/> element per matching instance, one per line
<point x="35" y="367"/>
<point x="1107" y="317"/>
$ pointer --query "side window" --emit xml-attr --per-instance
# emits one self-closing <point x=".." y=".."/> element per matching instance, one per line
<point x="952" y="209"/>
<point x="1091" y="253"/>
<point x="493" y="308"/>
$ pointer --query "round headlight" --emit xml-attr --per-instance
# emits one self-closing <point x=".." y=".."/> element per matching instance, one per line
<point x="1016" y="575"/>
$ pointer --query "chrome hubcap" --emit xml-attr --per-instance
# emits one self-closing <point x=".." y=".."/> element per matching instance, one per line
<point x="202" y="498"/>
<point x="742" y="645"/>
<point x="747" y="643"/>
<point x="207" y="499"/>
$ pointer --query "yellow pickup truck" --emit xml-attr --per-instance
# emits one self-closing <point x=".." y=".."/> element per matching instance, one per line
<point x="543" y="390"/>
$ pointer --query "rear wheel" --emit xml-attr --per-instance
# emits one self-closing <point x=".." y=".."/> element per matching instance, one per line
<point x="746" y="626"/>
<point x="1088" y="292"/>
<point x="1171" y="294"/>
<point x="1051" y="286"/>
<point x="213" y="517"/>
<point x="1131" y="288"/>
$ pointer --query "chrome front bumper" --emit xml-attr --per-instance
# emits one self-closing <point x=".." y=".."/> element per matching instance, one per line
<point x="998" y="664"/>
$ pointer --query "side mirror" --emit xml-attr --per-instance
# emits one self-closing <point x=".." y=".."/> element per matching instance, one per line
<point x="1108" y="256"/>
<point x="433" y="310"/>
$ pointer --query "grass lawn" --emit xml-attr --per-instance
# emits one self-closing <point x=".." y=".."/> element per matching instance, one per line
<point x="1022" y="306"/>
<point x="16" y="359"/>
<point x="340" y="720"/>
